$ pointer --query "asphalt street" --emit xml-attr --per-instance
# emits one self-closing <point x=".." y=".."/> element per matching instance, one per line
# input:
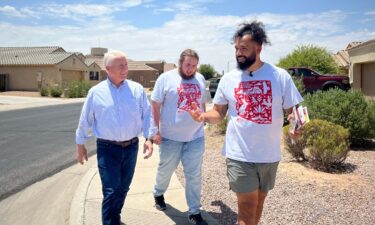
<point x="36" y="143"/>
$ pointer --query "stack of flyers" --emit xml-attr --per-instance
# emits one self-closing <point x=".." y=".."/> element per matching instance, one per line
<point x="301" y="117"/>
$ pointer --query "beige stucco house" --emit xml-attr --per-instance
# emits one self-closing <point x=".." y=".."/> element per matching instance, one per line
<point x="30" y="68"/>
<point x="362" y="67"/>
<point x="143" y="72"/>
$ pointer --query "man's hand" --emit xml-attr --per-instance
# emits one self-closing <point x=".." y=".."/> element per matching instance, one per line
<point x="147" y="149"/>
<point x="294" y="134"/>
<point x="81" y="154"/>
<point x="157" y="138"/>
<point x="196" y="113"/>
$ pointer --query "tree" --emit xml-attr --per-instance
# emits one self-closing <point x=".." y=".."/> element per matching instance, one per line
<point x="207" y="71"/>
<point x="313" y="57"/>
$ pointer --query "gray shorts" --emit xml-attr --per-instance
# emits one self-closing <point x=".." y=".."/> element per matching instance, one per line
<point x="248" y="177"/>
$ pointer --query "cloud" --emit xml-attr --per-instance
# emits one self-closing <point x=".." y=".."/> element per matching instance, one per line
<point x="10" y="11"/>
<point x="78" y="12"/>
<point x="370" y="13"/>
<point x="191" y="7"/>
<point x="208" y="34"/>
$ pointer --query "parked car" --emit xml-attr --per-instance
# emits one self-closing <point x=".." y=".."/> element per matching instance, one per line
<point x="214" y="82"/>
<point x="314" y="81"/>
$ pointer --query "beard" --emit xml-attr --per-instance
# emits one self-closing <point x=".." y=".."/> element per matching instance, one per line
<point x="184" y="76"/>
<point x="249" y="61"/>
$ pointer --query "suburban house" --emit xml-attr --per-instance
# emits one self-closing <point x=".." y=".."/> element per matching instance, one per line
<point x="97" y="55"/>
<point x="30" y="68"/>
<point x="358" y="59"/>
<point x="143" y="72"/>
<point x="342" y="57"/>
<point x="362" y="67"/>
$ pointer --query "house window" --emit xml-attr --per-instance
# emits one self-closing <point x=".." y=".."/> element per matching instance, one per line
<point x="94" y="75"/>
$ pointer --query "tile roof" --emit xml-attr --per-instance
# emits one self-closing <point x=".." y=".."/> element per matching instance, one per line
<point x="90" y="61"/>
<point x="137" y="65"/>
<point x="32" y="55"/>
<point x="353" y="44"/>
<point x="360" y="44"/>
<point x="169" y="66"/>
<point x="341" y="58"/>
<point x="97" y="59"/>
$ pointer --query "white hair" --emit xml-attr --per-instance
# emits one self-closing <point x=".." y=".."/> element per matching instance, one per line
<point x="110" y="56"/>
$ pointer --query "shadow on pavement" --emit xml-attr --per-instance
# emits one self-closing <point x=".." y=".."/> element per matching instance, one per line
<point x="227" y="214"/>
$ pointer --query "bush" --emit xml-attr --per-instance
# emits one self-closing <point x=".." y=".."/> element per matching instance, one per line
<point x="78" y="89"/>
<point x="371" y="118"/>
<point x="348" y="109"/>
<point x="56" y="92"/>
<point x="311" y="56"/>
<point x="299" y="84"/>
<point x="327" y="144"/>
<point x="221" y="127"/>
<point x="207" y="71"/>
<point x="294" y="147"/>
<point x="43" y="91"/>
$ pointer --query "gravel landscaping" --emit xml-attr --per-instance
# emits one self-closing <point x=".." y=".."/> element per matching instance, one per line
<point x="301" y="196"/>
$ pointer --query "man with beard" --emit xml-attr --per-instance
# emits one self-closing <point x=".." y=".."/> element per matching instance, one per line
<point x="179" y="136"/>
<point x="254" y="96"/>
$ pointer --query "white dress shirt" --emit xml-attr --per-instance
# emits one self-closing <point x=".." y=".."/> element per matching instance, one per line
<point x="114" y="113"/>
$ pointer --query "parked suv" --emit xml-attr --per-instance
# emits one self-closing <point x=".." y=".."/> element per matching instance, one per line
<point x="314" y="81"/>
<point x="214" y="82"/>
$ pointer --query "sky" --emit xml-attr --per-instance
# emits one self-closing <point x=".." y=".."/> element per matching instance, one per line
<point x="161" y="30"/>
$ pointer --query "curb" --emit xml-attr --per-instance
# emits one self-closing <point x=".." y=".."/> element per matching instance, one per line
<point x="77" y="207"/>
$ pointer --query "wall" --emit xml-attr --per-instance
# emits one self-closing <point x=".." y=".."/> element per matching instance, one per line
<point x="29" y="78"/>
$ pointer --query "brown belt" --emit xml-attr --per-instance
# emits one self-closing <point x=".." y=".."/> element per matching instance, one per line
<point x="120" y="143"/>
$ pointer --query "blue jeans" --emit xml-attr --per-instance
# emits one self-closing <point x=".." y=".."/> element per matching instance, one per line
<point x="190" y="154"/>
<point x="116" y="168"/>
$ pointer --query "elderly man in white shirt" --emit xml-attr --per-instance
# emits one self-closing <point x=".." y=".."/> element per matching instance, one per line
<point x="117" y="110"/>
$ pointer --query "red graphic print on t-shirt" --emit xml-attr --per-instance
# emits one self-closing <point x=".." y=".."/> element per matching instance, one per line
<point x="187" y="94"/>
<point x="254" y="101"/>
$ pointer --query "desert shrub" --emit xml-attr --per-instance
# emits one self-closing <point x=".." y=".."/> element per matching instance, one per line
<point x="371" y="118"/>
<point x="327" y="144"/>
<point x="348" y="109"/>
<point x="78" y="89"/>
<point x="311" y="56"/>
<point x="294" y="147"/>
<point x="222" y="126"/>
<point x="56" y="92"/>
<point x="43" y="91"/>
<point x="219" y="128"/>
<point x="299" y="84"/>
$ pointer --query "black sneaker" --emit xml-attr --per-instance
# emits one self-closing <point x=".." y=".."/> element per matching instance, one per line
<point x="197" y="219"/>
<point x="160" y="203"/>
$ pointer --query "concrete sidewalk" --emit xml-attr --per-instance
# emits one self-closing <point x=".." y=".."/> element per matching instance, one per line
<point x="139" y="204"/>
<point x="8" y="102"/>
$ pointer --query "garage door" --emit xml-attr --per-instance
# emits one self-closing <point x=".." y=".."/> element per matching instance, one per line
<point x="368" y="79"/>
<point x="71" y="75"/>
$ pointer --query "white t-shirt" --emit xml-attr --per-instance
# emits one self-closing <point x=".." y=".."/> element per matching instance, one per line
<point x="176" y="96"/>
<point x="255" y="112"/>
